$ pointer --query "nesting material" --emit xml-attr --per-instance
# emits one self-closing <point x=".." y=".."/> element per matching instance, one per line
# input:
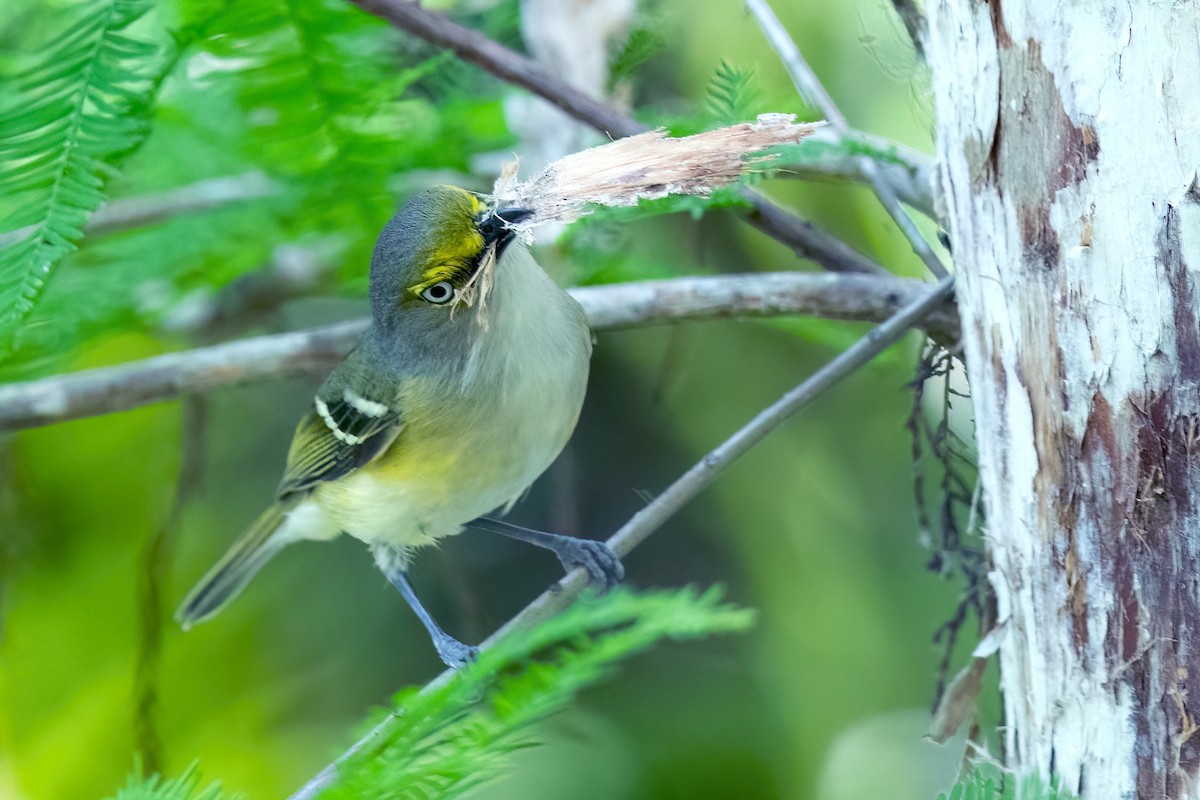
<point x="477" y="289"/>
<point x="650" y="165"/>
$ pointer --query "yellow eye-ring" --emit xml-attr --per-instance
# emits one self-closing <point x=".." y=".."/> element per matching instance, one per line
<point x="438" y="293"/>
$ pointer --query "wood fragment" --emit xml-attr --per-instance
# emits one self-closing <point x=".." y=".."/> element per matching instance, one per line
<point x="650" y="165"/>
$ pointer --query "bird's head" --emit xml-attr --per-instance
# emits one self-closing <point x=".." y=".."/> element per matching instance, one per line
<point x="430" y="252"/>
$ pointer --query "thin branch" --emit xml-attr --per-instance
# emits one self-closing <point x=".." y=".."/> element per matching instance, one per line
<point x="563" y="592"/>
<point x="809" y="86"/>
<point x="805" y="240"/>
<point x="845" y="297"/>
<point x="508" y="65"/>
<point x="109" y="389"/>
<point x="205" y="195"/>
<point x="135" y="212"/>
<point x="891" y="203"/>
<point x="152" y="578"/>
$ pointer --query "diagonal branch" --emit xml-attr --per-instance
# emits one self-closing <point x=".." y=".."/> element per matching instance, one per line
<point x="563" y="592"/>
<point x="133" y="212"/>
<point x="204" y="195"/>
<point x="627" y="305"/>
<point x="809" y="86"/>
<point x="806" y="240"/>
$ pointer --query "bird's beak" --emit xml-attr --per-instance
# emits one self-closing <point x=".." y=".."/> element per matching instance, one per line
<point x="495" y="228"/>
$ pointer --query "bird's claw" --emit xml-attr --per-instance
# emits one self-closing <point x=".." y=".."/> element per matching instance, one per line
<point x="603" y="567"/>
<point x="454" y="653"/>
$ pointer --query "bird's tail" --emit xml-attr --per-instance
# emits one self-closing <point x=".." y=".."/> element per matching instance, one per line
<point x="230" y="575"/>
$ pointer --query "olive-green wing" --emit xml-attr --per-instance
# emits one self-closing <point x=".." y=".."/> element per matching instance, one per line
<point x="340" y="435"/>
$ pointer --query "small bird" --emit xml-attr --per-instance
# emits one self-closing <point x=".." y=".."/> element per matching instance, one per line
<point x="464" y="389"/>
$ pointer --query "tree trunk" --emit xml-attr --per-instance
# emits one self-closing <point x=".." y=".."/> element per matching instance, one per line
<point x="1069" y="138"/>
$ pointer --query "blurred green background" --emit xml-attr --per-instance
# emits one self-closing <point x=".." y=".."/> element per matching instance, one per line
<point x="826" y="698"/>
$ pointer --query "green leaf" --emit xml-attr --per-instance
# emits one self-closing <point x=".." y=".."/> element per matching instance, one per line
<point x="331" y="102"/>
<point x="80" y="108"/>
<point x="185" y="787"/>
<point x="990" y="783"/>
<point x="731" y="94"/>
<point x="644" y="41"/>
<point x="442" y="742"/>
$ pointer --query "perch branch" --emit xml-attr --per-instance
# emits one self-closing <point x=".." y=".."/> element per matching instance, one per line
<point x="802" y="237"/>
<point x="809" y="86"/>
<point x="109" y="389"/>
<point x="701" y="475"/>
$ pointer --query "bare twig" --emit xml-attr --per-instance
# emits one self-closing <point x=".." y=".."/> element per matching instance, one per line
<point x="103" y="391"/>
<point x="109" y="389"/>
<point x="805" y="240"/>
<point x="847" y="297"/>
<point x="134" y="212"/>
<point x="562" y="593"/>
<point x="811" y="90"/>
<point x="205" y="195"/>
<point x="809" y="87"/>
<point x="152" y="577"/>
<point x="832" y="254"/>
<point x="891" y="203"/>
<point x="508" y="65"/>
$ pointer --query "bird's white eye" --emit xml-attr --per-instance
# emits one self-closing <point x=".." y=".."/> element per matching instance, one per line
<point x="438" y="293"/>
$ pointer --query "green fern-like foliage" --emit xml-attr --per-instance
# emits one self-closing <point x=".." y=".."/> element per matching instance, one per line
<point x="645" y="40"/>
<point x="331" y="103"/>
<point x="67" y="120"/>
<point x="989" y="783"/>
<point x="442" y="742"/>
<point x="185" y="787"/>
<point x="731" y="94"/>
<point x="320" y="86"/>
<point x="316" y="79"/>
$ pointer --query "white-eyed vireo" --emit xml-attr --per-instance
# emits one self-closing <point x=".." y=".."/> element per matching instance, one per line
<point x="463" y="390"/>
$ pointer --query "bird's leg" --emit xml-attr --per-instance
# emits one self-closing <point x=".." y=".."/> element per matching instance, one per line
<point x="602" y="564"/>
<point x="453" y="652"/>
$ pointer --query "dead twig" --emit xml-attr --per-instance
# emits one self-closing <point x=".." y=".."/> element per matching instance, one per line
<point x="811" y="89"/>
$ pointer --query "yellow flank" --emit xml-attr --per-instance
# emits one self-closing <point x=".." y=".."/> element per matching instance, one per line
<point x="428" y="455"/>
<point x="418" y="461"/>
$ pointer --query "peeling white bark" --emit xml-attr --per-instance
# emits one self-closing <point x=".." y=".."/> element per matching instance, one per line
<point x="1069" y="139"/>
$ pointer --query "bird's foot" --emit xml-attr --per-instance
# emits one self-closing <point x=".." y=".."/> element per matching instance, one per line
<point x="602" y="564"/>
<point x="603" y="567"/>
<point x="454" y="653"/>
